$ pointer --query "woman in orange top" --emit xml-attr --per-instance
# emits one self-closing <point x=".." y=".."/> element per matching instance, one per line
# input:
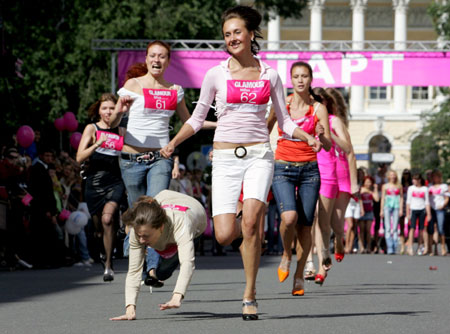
<point x="296" y="181"/>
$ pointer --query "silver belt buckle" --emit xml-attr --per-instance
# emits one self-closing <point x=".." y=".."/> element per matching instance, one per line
<point x="240" y="152"/>
<point x="147" y="157"/>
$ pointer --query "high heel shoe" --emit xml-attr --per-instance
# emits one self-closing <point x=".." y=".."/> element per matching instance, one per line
<point x="283" y="270"/>
<point x="319" y="279"/>
<point x="339" y="256"/>
<point x="249" y="316"/>
<point x="298" y="289"/>
<point x="327" y="264"/>
<point x="310" y="272"/>
<point x="108" y="275"/>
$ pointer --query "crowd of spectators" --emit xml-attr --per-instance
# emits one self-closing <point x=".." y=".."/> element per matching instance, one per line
<point x="37" y="186"/>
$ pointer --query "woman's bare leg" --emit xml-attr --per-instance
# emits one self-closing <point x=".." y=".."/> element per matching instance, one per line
<point x="109" y="211"/>
<point x="338" y="220"/>
<point x="326" y="207"/>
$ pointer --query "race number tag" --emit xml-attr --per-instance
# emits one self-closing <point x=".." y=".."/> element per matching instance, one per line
<point x="175" y="207"/>
<point x="113" y="141"/>
<point x="160" y="99"/>
<point x="435" y="191"/>
<point x="256" y="92"/>
<point x="418" y="194"/>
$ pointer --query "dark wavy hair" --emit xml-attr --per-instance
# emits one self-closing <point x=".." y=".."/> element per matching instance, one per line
<point x="252" y="19"/>
<point x="93" y="111"/>
<point x="341" y="106"/>
<point x="308" y="67"/>
<point x="327" y="98"/>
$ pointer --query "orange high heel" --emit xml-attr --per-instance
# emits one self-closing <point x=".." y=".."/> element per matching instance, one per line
<point x="283" y="274"/>
<point x="298" y="289"/>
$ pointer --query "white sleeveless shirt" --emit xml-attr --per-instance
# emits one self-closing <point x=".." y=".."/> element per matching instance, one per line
<point x="149" y="115"/>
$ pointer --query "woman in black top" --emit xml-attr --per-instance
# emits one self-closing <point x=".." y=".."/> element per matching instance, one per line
<point x="104" y="189"/>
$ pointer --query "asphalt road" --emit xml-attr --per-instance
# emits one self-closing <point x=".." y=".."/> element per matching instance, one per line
<point x="363" y="294"/>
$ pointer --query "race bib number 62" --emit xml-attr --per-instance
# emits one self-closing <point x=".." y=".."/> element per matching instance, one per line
<point x="255" y="92"/>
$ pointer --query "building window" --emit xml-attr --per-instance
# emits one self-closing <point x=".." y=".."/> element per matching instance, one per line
<point x="420" y="93"/>
<point x="378" y="93"/>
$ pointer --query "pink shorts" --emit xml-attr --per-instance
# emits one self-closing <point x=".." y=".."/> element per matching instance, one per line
<point x="329" y="186"/>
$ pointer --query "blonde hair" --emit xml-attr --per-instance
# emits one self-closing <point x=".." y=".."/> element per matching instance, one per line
<point x="397" y="181"/>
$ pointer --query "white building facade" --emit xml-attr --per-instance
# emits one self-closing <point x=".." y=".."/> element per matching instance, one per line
<point x="383" y="119"/>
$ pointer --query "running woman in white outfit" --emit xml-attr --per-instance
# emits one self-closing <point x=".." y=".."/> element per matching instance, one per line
<point x="241" y="86"/>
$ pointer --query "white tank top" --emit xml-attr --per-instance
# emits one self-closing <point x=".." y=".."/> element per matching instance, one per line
<point x="149" y="115"/>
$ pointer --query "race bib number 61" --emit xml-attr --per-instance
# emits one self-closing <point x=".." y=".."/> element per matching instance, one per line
<point x="160" y="99"/>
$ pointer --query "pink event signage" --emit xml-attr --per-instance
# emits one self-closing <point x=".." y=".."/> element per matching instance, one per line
<point x="331" y="69"/>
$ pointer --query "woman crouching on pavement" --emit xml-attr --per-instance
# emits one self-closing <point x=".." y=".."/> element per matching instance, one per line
<point x="168" y="223"/>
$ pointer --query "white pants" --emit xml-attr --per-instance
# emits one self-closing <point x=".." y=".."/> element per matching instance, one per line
<point x="254" y="173"/>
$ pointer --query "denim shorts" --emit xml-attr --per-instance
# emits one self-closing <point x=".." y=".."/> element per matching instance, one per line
<point x="296" y="188"/>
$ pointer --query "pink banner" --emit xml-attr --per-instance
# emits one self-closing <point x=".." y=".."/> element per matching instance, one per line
<point x="331" y="69"/>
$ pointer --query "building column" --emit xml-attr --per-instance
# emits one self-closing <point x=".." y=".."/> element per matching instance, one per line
<point x="273" y="32"/>
<point x="440" y="97"/>
<point x="315" y="35"/>
<point x="358" y="36"/>
<point x="400" y="36"/>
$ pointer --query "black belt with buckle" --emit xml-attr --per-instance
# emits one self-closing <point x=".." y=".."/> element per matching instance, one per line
<point x="141" y="157"/>
<point x="240" y="152"/>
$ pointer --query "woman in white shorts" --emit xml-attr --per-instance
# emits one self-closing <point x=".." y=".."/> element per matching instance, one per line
<point x="241" y="86"/>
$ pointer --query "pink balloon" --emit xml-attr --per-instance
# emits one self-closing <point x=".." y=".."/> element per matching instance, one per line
<point x="71" y="125"/>
<point x="75" y="139"/>
<point x="60" y="125"/>
<point x="69" y="115"/>
<point x="25" y="136"/>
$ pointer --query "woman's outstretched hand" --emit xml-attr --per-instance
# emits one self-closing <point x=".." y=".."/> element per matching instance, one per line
<point x="129" y="315"/>
<point x="175" y="302"/>
<point x="167" y="150"/>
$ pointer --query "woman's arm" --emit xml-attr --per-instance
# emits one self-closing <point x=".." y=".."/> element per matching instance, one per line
<point x="184" y="115"/>
<point x="383" y="187"/>
<point x="401" y="201"/>
<point x="284" y="120"/>
<point x="271" y="120"/>
<point x="196" y="121"/>
<point x="176" y="167"/>
<point x="123" y="106"/>
<point x="85" y="149"/>
<point x="343" y="137"/>
<point x="375" y="193"/>
<point x="325" y="137"/>
<point x="186" y="256"/>
<point x="134" y="276"/>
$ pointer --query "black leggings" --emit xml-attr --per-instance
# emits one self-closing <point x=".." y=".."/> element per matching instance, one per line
<point x="417" y="214"/>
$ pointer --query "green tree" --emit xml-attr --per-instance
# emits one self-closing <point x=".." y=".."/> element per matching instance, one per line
<point x="431" y="149"/>
<point x="60" y="70"/>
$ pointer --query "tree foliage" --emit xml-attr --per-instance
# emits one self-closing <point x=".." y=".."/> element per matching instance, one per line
<point x="53" y="39"/>
<point x="284" y="8"/>
<point x="61" y="72"/>
<point x="431" y="149"/>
